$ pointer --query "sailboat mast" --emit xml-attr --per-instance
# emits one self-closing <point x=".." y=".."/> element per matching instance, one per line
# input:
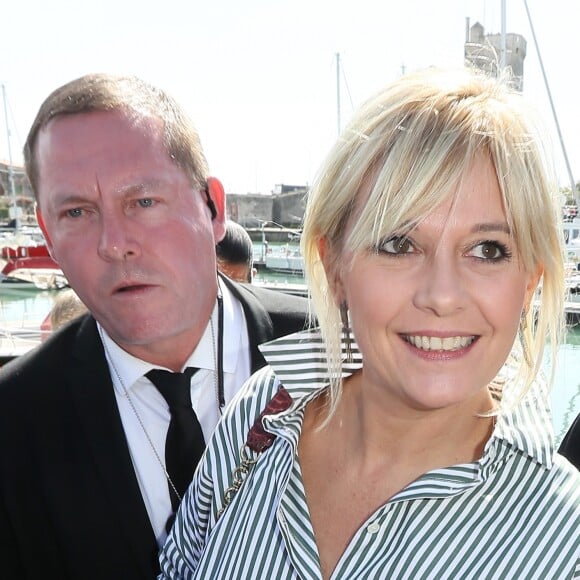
<point x="503" y="45"/>
<point x="338" y="92"/>
<point x="573" y="187"/>
<point x="10" y="168"/>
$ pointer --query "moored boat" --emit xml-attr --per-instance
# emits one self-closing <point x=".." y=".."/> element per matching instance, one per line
<point x="571" y="230"/>
<point x="285" y="260"/>
<point x="32" y="264"/>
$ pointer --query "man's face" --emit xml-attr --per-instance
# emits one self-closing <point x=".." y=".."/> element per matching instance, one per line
<point x="133" y="237"/>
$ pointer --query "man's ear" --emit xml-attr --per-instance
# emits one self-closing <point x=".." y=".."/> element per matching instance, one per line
<point x="216" y="201"/>
<point x="42" y="225"/>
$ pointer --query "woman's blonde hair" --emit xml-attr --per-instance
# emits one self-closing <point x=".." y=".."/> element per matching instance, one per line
<point x="405" y="150"/>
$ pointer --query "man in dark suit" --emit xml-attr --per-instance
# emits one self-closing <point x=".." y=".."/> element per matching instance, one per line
<point x="132" y="217"/>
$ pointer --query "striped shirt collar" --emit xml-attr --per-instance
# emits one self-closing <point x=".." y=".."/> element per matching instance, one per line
<point x="299" y="362"/>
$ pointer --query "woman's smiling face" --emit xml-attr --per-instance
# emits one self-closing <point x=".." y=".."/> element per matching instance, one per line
<point x="436" y="310"/>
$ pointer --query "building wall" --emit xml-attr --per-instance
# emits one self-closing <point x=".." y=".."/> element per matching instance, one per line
<point x="251" y="211"/>
<point x="288" y="209"/>
<point x="516" y="47"/>
<point x="21" y="184"/>
<point x="484" y="52"/>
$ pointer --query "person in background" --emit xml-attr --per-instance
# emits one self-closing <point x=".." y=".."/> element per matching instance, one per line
<point x="410" y="437"/>
<point x="102" y="425"/>
<point x="570" y="446"/>
<point x="66" y="307"/>
<point x="235" y="253"/>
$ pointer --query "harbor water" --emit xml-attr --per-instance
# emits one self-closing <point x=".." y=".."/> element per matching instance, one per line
<point x="25" y="309"/>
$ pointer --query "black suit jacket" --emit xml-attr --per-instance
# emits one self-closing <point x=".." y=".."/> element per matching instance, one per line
<point x="70" y="504"/>
<point x="570" y="446"/>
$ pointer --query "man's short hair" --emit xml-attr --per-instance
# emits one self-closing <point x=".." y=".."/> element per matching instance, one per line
<point x="105" y="92"/>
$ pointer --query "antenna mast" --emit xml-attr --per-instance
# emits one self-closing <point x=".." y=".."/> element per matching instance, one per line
<point x="10" y="168"/>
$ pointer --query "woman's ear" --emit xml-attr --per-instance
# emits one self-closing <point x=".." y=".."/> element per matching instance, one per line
<point x="330" y="262"/>
<point x="533" y="281"/>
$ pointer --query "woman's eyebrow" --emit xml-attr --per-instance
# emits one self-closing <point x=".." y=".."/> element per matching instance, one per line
<point x="491" y="227"/>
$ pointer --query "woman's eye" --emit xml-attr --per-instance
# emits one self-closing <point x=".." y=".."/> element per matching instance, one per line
<point x="397" y="245"/>
<point x="492" y="251"/>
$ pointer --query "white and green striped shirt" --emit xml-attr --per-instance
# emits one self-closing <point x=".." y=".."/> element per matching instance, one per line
<point x="514" y="514"/>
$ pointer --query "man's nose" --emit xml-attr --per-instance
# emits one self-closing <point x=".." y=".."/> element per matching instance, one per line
<point x="117" y="240"/>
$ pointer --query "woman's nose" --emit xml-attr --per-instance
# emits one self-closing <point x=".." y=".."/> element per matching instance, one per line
<point x="441" y="288"/>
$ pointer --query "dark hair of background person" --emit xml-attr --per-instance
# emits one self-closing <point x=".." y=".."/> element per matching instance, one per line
<point x="235" y="254"/>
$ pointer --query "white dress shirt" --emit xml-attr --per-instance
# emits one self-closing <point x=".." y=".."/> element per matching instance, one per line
<point x="147" y="423"/>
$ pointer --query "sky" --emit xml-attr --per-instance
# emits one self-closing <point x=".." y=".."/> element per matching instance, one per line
<point x="259" y="77"/>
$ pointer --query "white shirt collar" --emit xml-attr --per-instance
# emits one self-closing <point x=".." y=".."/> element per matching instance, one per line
<point x="127" y="369"/>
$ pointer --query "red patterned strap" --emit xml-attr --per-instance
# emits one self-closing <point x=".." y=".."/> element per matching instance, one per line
<point x="259" y="440"/>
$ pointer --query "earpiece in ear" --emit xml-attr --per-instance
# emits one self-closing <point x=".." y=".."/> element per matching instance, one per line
<point x="210" y="204"/>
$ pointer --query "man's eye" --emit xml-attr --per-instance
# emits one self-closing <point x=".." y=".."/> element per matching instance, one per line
<point x="145" y="202"/>
<point x="397" y="245"/>
<point x="74" y="212"/>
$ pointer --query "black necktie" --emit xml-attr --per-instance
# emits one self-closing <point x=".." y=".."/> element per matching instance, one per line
<point x="184" y="444"/>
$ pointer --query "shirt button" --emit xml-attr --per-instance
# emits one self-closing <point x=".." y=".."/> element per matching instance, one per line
<point x="373" y="528"/>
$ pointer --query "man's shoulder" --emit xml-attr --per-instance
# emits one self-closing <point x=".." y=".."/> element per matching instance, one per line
<point x="40" y="366"/>
<point x="287" y="313"/>
<point x="277" y="301"/>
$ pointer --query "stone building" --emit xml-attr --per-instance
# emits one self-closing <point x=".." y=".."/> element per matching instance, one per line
<point x="14" y="177"/>
<point x="484" y="52"/>
<point x="283" y="207"/>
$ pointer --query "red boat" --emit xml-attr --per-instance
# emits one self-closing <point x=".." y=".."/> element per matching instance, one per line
<point x="33" y="264"/>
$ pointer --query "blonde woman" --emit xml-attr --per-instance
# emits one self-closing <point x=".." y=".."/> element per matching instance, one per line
<point x="411" y="436"/>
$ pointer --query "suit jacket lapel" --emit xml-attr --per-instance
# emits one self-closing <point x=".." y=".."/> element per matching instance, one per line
<point x="93" y="395"/>
<point x="260" y="328"/>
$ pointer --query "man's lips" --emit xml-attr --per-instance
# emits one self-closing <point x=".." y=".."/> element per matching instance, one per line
<point x="131" y="287"/>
